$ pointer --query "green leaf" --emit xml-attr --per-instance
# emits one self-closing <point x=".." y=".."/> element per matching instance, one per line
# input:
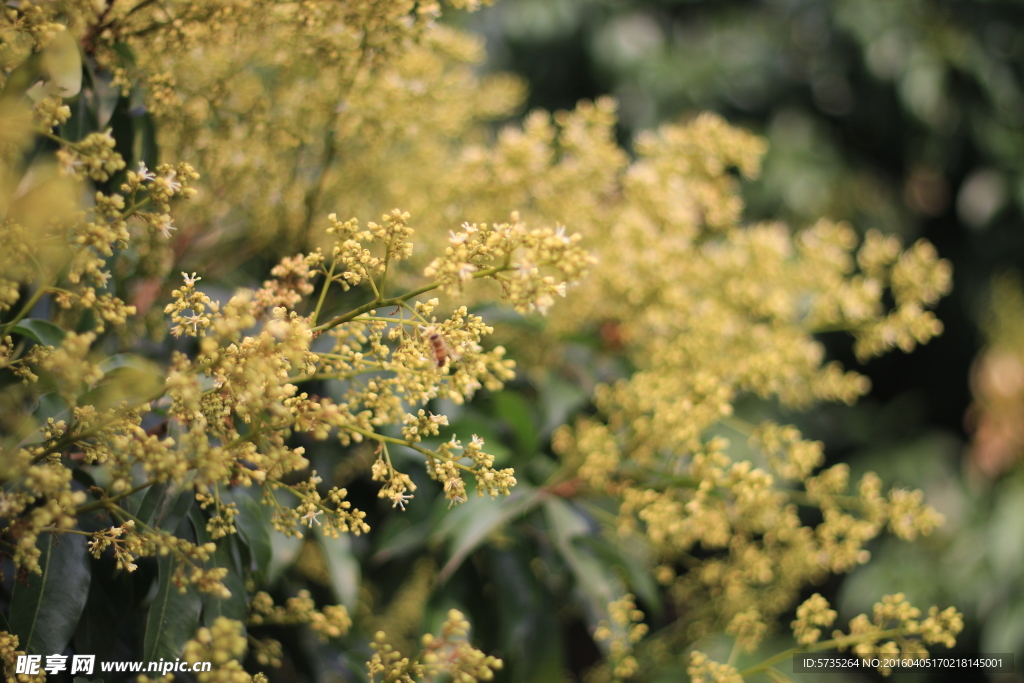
<point x="53" y="405"/>
<point x="472" y="522"/>
<point x="157" y="496"/>
<point x="399" y="537"/>
<point x="285" y="549"/>
<point x="559" y="399"/>
<point x="519" y="413"/>
<point x="82" y="121"/>
<point x="41" y="331"/>
<point x="631" y="562"/>
<point x="237" y="605"/>
<point x="530" y="631"/>
<point x="343" y="567"/>
<point x="144" y="146"/>
<point x="108" y="607"/>
<point x="165" y="507"/>
<point x="597" y="582"/>
<point x="173" y="616"/>
<point x="254" y="531"/>
<point x="45" y="612"/>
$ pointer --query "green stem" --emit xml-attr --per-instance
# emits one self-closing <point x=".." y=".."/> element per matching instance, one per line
<point x="397" y="300"/>
<point x="58" y="530"/>
<point x="323" y="292"/>
<point x="104" y="503"/>
<point x="29" y="305"/>
<point x="818" y="647"/>
<point x="402" y="442"/>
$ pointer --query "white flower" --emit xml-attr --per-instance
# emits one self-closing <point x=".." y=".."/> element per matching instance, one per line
<point x="311" y="517"/>
<point x="169" y="182"/>
<point x="525" y="270"/>
<point x="194" y="321"/>
<point x="466" y="271"/>
<point x="399" y="499"/>
<point x="560" y="234"/>
<point x="144" y="173"/>
<point x="457" y="237"/>
<point x="190" y="280"/>
<point x="163" y="224"/>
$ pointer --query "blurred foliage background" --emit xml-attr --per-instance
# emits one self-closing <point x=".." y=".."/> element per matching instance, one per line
<point x="906" y="116"/>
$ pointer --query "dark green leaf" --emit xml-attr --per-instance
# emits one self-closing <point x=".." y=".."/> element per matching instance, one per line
<point x="285" y="548"/>
<point x="529" y="626"/>
<point x="173" y="617"/>
<point x="236" y="606"/>
<point x="343" y="567"/>
<point x="559" y="399"/>
<point x="597" y="582"/>
<point x="82" y="121"/>
<point x="145" y="147"/>
<point x="110" y="595"/>
<point x="42" y="331"/>
<point x="254" y="531"/>
<point x="473" y="521"/>
<point x="521" y="416"/>
<point x="631" y="562"/>
<point x="44" y="613"/>
<point x="156" y="497"/>
<point x="52" y="405"/>
<point x="125" y="53"/>
<point x="399" y="537"/>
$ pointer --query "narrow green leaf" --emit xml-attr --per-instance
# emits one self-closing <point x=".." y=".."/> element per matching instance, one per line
<point x="521" y="417"/>
<point x="52" y="405"/>
<point x="528" y="623"/>
<point x="285" y="549"/>
<point x="41" y="331"/>
<point x="157" y="496"/>
<point x="631" y="562"/>
<point x="44" y="613"/>
<point x="104" y="613"/>
<point x="559" y="399"/>
<point x="400" y="537"/>
<point x="597" y="582"/>
<point x="173" y="616"/>
<point x="478" y="518"/>
<point x="254" y="531"/>
<point x="343" y="567"/>
<point x="234" y="607"/>
<point x="144" y="145"/>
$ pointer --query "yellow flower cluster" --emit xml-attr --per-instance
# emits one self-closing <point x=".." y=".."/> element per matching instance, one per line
<point x="450" y="654"/>
<point x="330" y="622"/>
<point x="221" y="644"/>
<point x="812" y="615"/>
<point x="619" y="633"/>
<point x="895" y="628"/>
<point x="9" y="653"/>
<point x="704" y="670"/>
